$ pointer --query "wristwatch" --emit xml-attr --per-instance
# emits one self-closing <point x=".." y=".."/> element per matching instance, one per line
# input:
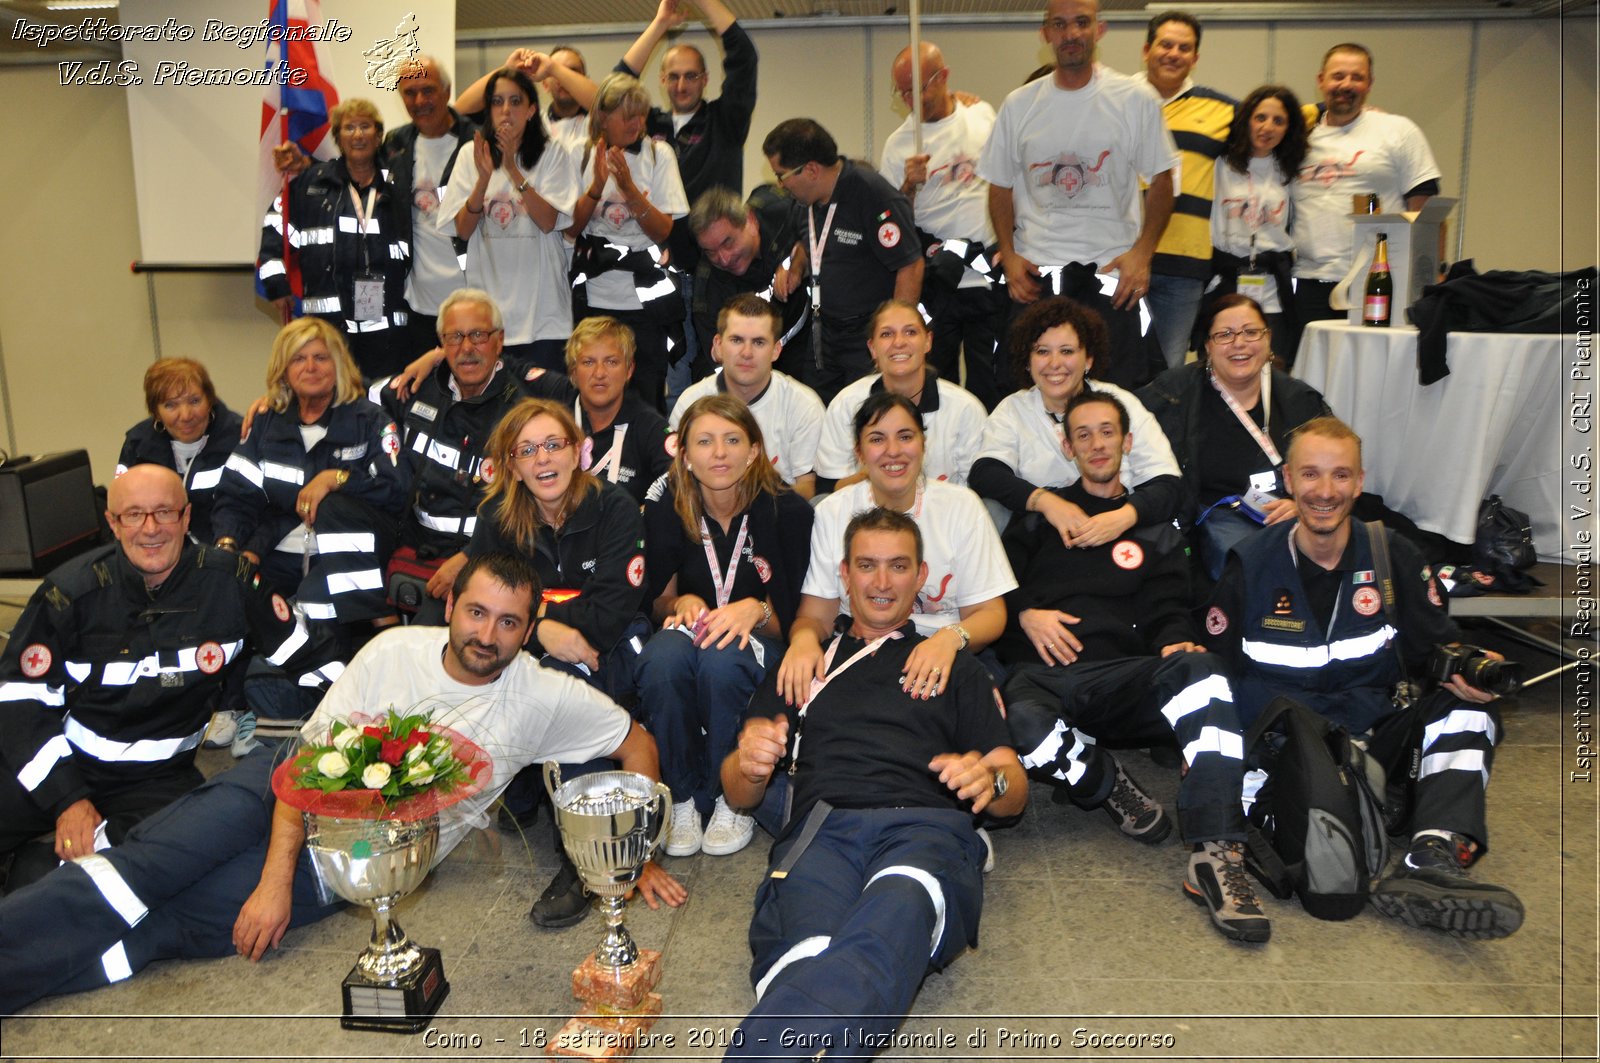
<point x="1000" y="785"/>
<point x="963" y="634"/>
<point x="340" y="478"/>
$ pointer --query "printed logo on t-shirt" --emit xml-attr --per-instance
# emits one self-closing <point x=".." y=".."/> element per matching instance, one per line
<point x="1068" y="174"/>
<point x="1329" y="172"/>
<point x="425" y="198"/>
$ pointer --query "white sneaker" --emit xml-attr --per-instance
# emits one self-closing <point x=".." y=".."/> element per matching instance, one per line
<point x="728" y="832"/>
<point x="988" y="850"/>
<point x="244" y="736"/>
<point x="219" y="734"/>
<point x="683" y="835"/>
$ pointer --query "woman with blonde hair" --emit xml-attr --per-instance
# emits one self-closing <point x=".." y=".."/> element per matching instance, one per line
<point x="346" y="223"/>
<point x="583" y="536"/>
<point x="189" y="431"/>
<point x="726" y="546"/>
<point x="313" y="493"/>
<point x="632" y="194"/>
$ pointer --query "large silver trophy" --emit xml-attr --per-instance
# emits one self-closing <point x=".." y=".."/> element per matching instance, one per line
<point x="395" y="985"/>
<point x="611" y="823"/>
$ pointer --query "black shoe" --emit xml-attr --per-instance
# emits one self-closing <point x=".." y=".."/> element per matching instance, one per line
<point x="563" y="903"/>
<point x="1430" y="888"/>
<point x="1217" y="880"/>
<point x="1134" y="812"/>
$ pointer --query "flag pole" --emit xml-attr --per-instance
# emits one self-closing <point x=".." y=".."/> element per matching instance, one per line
<point x="916" y="76"/>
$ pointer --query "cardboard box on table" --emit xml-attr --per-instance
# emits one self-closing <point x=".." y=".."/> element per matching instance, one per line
<point x="1413" y="255"/>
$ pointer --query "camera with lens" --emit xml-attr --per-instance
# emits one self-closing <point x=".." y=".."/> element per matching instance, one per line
<point x="1473" y="664"/>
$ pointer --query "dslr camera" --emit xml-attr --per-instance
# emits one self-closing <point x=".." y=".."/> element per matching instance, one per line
<point x="1474" y="665"/>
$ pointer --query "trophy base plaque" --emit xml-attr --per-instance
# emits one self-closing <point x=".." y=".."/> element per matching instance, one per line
<point x="406" y="1005"/>
<point x="600" y="1032"/>
<point x="621" y="990"/>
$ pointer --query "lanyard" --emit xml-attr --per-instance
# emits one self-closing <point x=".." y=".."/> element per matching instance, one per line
<point x="609" y="466"/>
<point x="816" y="276"/>
<point x="362" y="214"/>
<point x="829" y="674"/>
<point x="723" y="585"/>
<point x="1262" y="439"/>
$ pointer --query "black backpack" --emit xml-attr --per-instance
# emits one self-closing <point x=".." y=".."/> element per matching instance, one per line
<point x="1316" y="827"/>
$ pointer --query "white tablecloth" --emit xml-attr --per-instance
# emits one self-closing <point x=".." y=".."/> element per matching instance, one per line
<point x="1495" y="425"/>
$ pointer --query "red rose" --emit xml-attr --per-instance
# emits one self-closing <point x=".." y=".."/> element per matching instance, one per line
<point x="372" y="732"/>
<point x="393" y="751"/>
<point x="418" y="738"/>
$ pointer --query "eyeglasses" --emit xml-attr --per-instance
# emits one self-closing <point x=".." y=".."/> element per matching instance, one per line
<point x="688" y="77"/>
<point x="524" y="451"/>
<point x="135" y="518"/>
<point x="477" y="335"/>
<point x="1227" y="335"/>
<point x="786" y="174"/>
<point x="357" y="127"/>
<point x="905" y="94"/>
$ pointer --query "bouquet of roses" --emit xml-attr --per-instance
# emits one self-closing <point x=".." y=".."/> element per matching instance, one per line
<point x="393" y="767"/>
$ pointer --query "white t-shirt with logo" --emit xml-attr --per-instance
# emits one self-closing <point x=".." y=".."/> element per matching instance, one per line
<point x="655" y="171"/>
<point x="1073" y="159"/>
<point x="790" y="416"/>
<point x="966" y="563"/>
<point x="435" y="272"/>
<point x="954" y="202"/>
<point x="953" y="432"/>
<point x="1023" y="435"/>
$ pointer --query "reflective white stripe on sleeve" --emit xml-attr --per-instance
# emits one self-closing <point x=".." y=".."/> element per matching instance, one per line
<point x="78" y="670"/>
<point x="935" y="894"/>
<point x="127" y="673"/>
<point x="348" y="225"/>
<point x="347" y="543"/>
<point x="291" y="645"/>
<point x="291" y="474"/>
<point x="804" y="949"/>
<point x="376" y="325"/>
<point x="1271" y="653"/>
<point x="319" y="611"/>
<point x="245" y="467"/>
<point x="1457" y="722"/>
<point x="657" y="290"/>
<point x="115" y="963"/>
<point x="113" y="887"/>
<point x="325" y="675"/>
<point x="451" y="525"/>
<point x="1196" y="696"/>
<point x="367" y="579"/>
<point x="38" y="769"/>
<point x="1460" y="760"/>
<point x="1214" y="740"/>
<point x="146" y="750"/>
<point x="318" y="234"/>
<point x="1046" y="751"/>
<point x="40" y="692"/>
<point x="272" y="267"/>
<point x="205" y="481"/>
<point x="327" y="305"/>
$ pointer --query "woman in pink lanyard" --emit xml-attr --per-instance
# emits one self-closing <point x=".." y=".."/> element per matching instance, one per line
<point x="1228" y="418"/>
<point x="726" y="550"/>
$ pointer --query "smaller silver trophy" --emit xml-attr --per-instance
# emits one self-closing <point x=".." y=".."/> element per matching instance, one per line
<point x="611" y="822"/>
<point x="395" y="986"/>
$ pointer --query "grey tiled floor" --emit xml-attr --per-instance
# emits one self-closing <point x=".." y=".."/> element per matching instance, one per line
<point x="1084" y="936"/>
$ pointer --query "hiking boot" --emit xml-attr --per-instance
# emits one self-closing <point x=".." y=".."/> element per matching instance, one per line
<point x="564" y="902"/>
<point x="244" y="735"/>
<point x="683" y="833"/>
<point x="1430" y="888"/>
<point x="1134" y="812"/>
<point x="220" y="731"/>
<point x="1217" y="880"/>
<point x="728" y="831"/>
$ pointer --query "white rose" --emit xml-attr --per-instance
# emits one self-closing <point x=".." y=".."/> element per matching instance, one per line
<point x="375" y="776"/>
<point x="346" y="738"/>
<point x="419" y="775"/>
<point x="333" y="764"/>
<point x="414" y="754"/>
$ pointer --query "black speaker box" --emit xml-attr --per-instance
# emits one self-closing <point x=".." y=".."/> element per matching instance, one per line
<point x="47" y="512"/>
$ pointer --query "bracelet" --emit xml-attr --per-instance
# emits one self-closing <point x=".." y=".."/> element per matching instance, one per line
<point x="340" y="478"/>
<point x="766" y="613"/>
<point x="592" y="194"/>
<point x="523" y="187"/>
<point x="474" y="210"/>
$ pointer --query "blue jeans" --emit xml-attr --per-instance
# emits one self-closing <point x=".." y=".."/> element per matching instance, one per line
<point x="693" y="699"/>
<point x="1174" y="304"/>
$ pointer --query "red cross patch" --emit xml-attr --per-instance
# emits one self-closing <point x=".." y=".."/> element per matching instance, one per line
<point x="280" y="608"/>
<point x="36" y="660"/>
<point x="390" y="441"/>
<point x="209" y="658"/>
<point x="1127" y="554"/>
<point x="486" y="470"/>
<point x="1433" y="594"/>
<point x="671" y="444"/>
<point x="1216" y="621"/>
<point x="1366" y="600"/>
<point x="636" y="570"/>
<point x="763" y="568"/>
<point x="889" y="234"/>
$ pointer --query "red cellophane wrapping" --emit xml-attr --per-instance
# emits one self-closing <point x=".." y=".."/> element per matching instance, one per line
<point x="356" y="803"/>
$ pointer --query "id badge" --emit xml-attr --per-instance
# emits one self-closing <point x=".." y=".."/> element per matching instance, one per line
<point x="1255" y="502"/>
<point x="816" y="322"/>
<point x="1263" y="289"/>
<point x="368" y="297"/>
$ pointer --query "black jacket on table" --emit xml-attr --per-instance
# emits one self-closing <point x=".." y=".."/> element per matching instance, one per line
<point x="442" y="438"/>
<point x="326" y="234"/>
<point x="599" y="552"/>
<point x="145" y="445"/>
<point x="1173" y="399"/>
<point x="1131" y="596"/>
<point x="772" y="565"/>
<point x="105" y="682"/>
<point x="256" y="502"/>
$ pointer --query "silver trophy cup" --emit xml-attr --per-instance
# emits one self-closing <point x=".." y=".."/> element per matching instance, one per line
<point x="395" y="984"/>
<point x="611" y="822"/>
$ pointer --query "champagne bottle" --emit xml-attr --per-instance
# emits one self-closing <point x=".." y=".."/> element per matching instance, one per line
<point x="1380" y="288"/>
